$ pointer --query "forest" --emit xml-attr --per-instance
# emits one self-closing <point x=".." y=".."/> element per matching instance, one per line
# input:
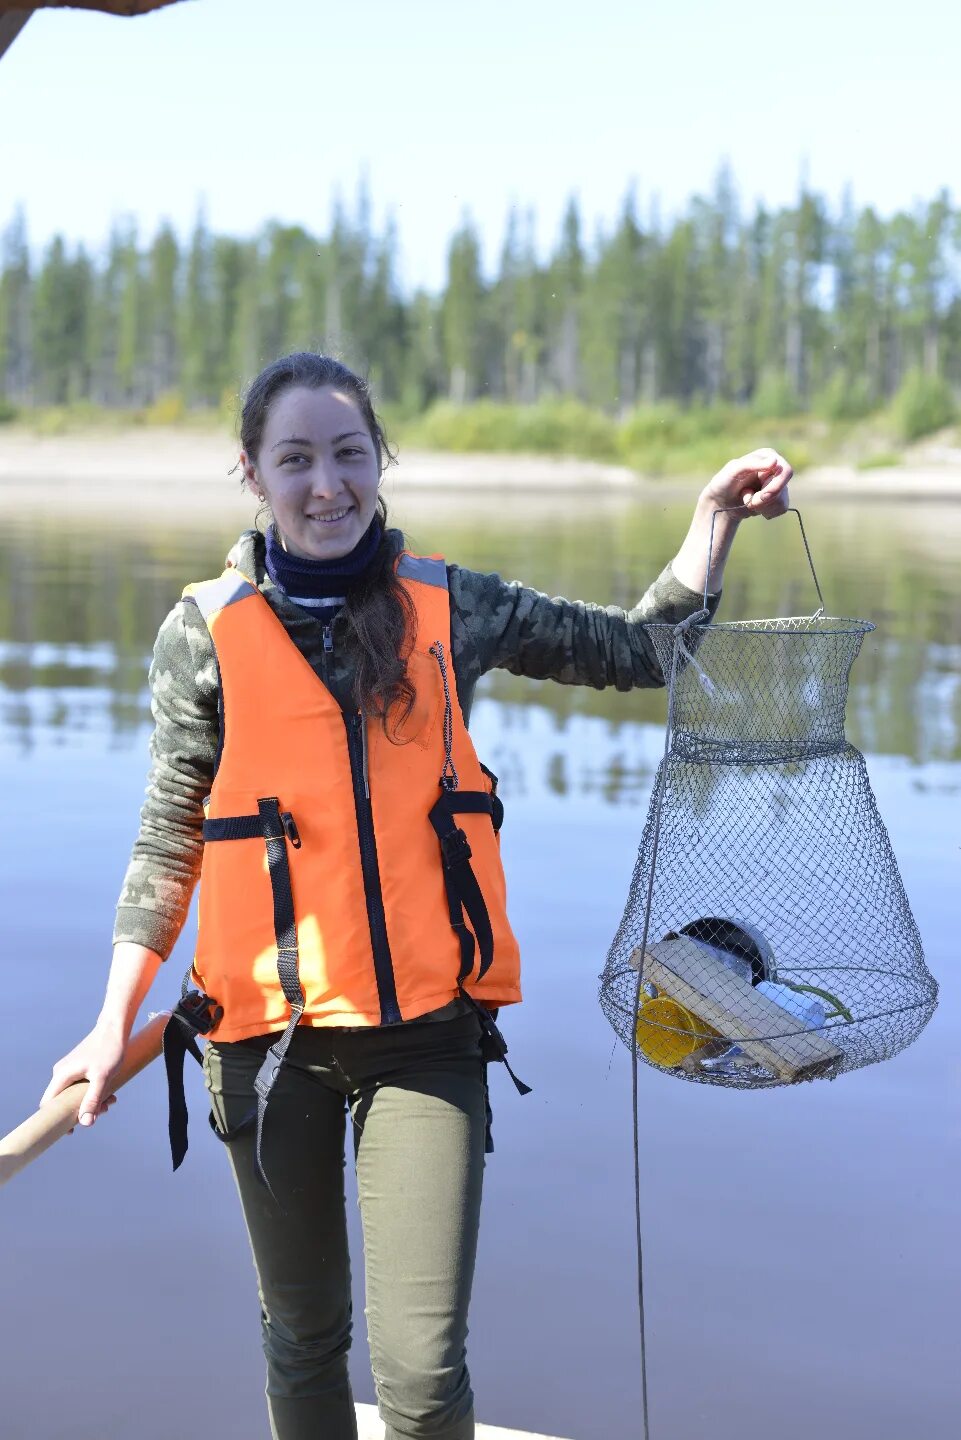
<point x="675" y="325"/>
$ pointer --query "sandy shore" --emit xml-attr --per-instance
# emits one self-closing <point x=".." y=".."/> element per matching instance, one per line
<point x="156" y="470"/>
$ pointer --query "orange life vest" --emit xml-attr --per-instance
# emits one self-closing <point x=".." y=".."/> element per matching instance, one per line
<point x="365" y="873"/>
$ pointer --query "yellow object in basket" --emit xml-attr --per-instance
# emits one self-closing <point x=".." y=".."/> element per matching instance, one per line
<point x="667" y="1032"/>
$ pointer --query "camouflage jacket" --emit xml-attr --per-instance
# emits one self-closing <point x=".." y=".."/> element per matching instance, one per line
<point x="493" y="623"/>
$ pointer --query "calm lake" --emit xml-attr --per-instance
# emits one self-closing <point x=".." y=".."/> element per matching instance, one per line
<point x="803" y="1270"/>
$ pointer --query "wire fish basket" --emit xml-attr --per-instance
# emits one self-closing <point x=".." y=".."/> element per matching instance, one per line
<point x="767" y="937"/>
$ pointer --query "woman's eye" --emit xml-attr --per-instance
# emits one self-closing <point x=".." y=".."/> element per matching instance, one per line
<point x="351" y="450"/>
<point x="288" y="458"/>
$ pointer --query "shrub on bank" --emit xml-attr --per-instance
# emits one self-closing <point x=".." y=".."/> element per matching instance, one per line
<point x="845" y="399"/>
<point x="167" y="409"/>
<point x="551" y="427"/>
<point x="666" y="440"/>
<point x="774" y="397"/>
<point x="654" y="440"/>
<point x="881" y="460"/>
<point x="923" y="404"/>
<point x="8" y="411"/>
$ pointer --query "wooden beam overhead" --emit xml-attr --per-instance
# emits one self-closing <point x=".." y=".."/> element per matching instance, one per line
<point x="14" y="14"/>
<point x="109" y="7"/>
<point x="11" y="23"/>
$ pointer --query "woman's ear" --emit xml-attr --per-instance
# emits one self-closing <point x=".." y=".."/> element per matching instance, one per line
<point x="250" y="475"/>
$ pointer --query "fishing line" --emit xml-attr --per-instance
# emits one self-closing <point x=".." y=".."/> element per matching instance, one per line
<point x="660" y="784"/>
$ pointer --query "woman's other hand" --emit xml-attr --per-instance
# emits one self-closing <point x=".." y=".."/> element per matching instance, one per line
<point x="755" y="483"/>
<point x="96" y="1059"/>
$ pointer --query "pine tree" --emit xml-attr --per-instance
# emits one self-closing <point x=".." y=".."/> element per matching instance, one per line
<point x="616" y="312"/>
<point x="163" y="356"/>
<point x="563" y="297"/>
<point x="16" y="361"/>
<point x="197" y="349"/>
<point x="462" y="314"/>
<point x="132" y="321"/>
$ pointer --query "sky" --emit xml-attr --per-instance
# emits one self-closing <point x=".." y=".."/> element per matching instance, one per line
<point x="267" y="110"/>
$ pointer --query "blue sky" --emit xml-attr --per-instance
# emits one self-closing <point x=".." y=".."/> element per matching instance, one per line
<point x="265" y="109"/>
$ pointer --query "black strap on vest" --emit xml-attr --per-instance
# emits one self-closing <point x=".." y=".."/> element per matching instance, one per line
<point x="198" y="1014"/>
<point x="277" y="829"/>
<point x="460" y="882"/>
<point x="465" y="895"/>
<point x="493" y="1044"/>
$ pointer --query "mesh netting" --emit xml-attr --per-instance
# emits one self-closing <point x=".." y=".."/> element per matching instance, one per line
<point x="767" y="937"/>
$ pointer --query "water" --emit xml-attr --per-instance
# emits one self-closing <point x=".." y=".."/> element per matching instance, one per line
<point x="802" y="1260"/>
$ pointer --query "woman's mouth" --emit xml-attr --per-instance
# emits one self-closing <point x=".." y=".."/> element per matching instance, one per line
<point x="330" y="517"/>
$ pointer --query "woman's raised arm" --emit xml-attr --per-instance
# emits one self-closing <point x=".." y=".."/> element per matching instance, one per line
<point x="754" y="484"/>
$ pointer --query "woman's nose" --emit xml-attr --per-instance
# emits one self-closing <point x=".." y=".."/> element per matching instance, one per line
<point x="325" y="479"/>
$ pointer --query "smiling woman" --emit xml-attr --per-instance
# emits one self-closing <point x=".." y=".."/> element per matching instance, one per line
<point x="313" y="767"/>
<point x="313" y="454"/>
<point x="318" y="467"/>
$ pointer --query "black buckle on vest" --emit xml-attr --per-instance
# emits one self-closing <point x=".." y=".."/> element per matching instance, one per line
<point x="199" y="1012"/>
<point x="455" y="848"/>
<point x="268" y="1072"/>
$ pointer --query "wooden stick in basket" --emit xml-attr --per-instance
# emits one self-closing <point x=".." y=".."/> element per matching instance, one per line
<point x="689" y="974"/>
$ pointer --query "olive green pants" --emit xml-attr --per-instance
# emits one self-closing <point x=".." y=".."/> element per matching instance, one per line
<point x="416" y="1096"/>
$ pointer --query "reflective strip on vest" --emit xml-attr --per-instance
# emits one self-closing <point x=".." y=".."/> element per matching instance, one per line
<point x="213" y="595"/>
<point x="428" y="569"/>
<point x="286" y="736"/>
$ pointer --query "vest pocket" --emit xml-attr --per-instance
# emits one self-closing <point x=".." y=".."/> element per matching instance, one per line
<point x="418" y="727"/>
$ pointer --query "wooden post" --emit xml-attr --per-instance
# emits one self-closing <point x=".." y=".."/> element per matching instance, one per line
<point x="58" y="1117"/>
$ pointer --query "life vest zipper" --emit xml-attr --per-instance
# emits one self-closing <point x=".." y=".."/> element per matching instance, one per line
<point x="376" y="919"/>
<point x="328" y="650"/>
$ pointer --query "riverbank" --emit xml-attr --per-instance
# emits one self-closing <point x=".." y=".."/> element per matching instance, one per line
<point x="169" y="470"/>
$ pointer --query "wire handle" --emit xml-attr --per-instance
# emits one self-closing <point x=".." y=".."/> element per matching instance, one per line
<point x="791" y="510"/>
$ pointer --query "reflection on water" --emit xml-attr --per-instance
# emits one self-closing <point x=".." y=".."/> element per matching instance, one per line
<point x="81" y="606"/>
<point x="803" y="1266"/>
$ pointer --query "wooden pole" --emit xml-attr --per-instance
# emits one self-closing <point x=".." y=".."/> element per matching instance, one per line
<point x="58" y="1117"/>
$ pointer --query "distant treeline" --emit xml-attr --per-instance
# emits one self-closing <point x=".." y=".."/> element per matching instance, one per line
<point x="781" y="310"/>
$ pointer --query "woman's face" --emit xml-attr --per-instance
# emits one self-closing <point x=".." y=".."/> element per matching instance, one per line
<point x="319" y="471"/>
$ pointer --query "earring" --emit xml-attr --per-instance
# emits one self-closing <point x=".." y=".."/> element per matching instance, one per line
<point x="261" y="496"/>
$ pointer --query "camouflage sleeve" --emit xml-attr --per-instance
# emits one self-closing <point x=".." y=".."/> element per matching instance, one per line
<point x="165" y="861"/>
<point x="499" y="623"/>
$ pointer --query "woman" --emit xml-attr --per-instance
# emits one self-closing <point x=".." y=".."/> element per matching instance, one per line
<point x="353" y="940"/>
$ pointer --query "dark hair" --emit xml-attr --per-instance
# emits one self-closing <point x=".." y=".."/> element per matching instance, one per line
<point x="380" y="616"/>
<point x="313" y="372"/>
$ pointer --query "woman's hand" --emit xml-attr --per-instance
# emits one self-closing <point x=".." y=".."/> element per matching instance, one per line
<point x="755" y="483"/>
<point x="96" y="1059"/>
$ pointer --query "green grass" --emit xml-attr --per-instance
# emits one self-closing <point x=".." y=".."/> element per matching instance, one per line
<point x="82" y="416"/>
<point x="881" y="460"/>
<point x="551" y="427"/>
<point x="658" y="440"/>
